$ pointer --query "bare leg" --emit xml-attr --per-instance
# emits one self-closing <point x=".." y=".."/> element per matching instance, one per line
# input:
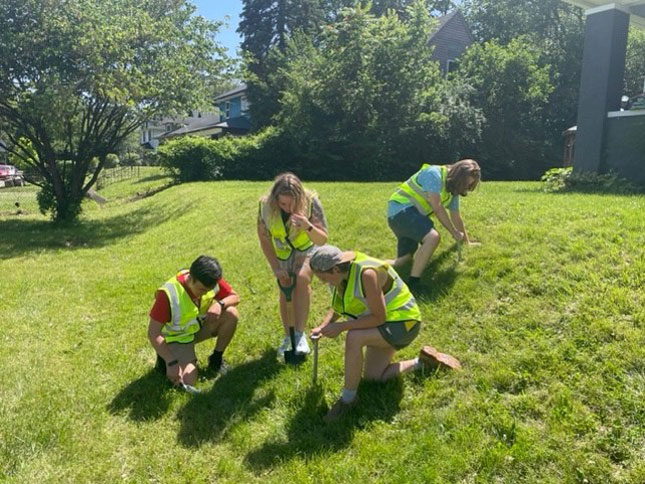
<point x="189" y="374"/>
<point x="223" y="328"/>
<point x="378" y="364"/>
<point x="399" y="261"/>
<point x="354" y="343"/>
<point x="302" y="297"/>
<point x="287" y="319"/>
<point x="422" y="256"/>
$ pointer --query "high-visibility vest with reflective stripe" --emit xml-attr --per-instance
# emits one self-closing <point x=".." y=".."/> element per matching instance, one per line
<point x="410" y="191"/>
<point x="184" y="314"/>
<point x="284" y="239"/>
<point x="400" y="304"/>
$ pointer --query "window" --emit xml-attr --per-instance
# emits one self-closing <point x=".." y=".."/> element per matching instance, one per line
<point x="227" y="110"/>
<point x="451" y="65"/>
<point x="244" y="104"/>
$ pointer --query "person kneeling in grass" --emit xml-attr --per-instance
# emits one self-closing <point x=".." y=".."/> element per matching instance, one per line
<point x="383" y="317"/>
<point x="193" y="306"/>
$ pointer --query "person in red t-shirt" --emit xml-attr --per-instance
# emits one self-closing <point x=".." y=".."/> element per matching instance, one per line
<point x="189" y="308"/>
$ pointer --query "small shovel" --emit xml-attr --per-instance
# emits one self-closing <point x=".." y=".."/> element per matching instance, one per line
<point x="290" y="356"/>
<point x="314" y="339"/>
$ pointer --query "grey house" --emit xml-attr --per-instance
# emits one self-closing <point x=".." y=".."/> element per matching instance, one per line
<point x="451" y="38"/>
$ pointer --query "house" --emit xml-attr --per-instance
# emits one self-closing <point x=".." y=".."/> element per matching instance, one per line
<point x="608" y="138"/>
<point x="232" y="119"/>
<point x="450" y="39"/>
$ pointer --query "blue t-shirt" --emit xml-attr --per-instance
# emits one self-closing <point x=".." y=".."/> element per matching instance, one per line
<point x="430" y="181"/>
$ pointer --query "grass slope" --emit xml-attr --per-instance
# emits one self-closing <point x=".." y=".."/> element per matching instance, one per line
<point x="547" y="317"/>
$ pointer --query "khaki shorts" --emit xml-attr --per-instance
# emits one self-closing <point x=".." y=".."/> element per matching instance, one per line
<point x="184" y="353"/>
<point x="399" y="334"/>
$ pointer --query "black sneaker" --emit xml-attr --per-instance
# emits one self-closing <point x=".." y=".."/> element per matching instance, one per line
<point x="217" y="364"/>
<point x="160" y="365"/>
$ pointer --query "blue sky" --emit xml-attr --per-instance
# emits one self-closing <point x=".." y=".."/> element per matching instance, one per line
<point x="218" y="10"/>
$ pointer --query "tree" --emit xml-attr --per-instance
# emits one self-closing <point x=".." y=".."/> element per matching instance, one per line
<point x="635" y="62"/>
<point x="367" y="102"/>
<point x="555" y="31"/>
<point x="512" y="88"/>
<point x="79" y="76"/>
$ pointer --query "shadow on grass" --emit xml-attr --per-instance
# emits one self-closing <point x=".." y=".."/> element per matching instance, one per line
<point x="209" y="415"/>
<point x="150" y="178"/>
<point x="21" y="237"/>
<point x="308" y="434"/>
<point x="146" y="398"/>
<point x="434" y="282"/>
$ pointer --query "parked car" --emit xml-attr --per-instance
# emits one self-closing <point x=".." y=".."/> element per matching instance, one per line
<point x="10" y="176"/>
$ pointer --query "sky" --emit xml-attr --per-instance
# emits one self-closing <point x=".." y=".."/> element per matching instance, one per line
<point x="218" y="10"/>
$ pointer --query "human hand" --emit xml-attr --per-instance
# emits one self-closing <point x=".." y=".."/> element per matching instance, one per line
<point x="283" y="277"/>
<point x="215" y="311"/>
<point x="316" y="332"/>
<point x="173" y="373"/>
<point x="331" y="330"/>
<point x="458" y="236"/>
<point x="300" y="221"/>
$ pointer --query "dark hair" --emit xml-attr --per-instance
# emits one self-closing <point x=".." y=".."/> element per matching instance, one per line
<point x="458" y="180"/>
<point x="206" y="270"/>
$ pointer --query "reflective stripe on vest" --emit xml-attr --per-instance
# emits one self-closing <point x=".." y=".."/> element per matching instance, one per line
<point x="411" y="192"/>
<point x="400" y="304"/>
<point x="184" y="314"/>
<point x="284" y="239"/>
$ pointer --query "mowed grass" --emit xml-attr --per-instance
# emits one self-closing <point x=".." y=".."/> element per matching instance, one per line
<point x="547" y="317"/>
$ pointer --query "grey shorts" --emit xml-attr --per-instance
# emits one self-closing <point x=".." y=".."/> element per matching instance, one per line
<point x="410" y="227"/>
<point x="296" y="260"/>
<point x="399" y="334"/>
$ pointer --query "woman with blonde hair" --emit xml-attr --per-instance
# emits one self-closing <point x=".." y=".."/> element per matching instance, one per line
<point x="291" y="222"/>
<point x="431" y="190"/>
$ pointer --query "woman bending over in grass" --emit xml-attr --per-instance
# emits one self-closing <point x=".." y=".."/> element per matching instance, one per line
<point x="431" y="190"/>
<point x="290" y="222"/>
<point x="382" y="316"/>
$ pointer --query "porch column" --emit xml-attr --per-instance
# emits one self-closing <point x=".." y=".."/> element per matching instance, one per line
<point x="601" y="84"/>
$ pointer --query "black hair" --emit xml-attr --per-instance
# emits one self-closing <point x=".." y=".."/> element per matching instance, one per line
<point x="206" y="270"/>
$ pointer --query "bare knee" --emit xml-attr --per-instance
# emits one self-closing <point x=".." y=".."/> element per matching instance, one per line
<point x="303" y="281"/>
<point x="432" y="237"/>
<point x="353" y="341"/>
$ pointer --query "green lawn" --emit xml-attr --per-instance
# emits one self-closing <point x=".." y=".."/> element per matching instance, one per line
<point x="547" y="317"/>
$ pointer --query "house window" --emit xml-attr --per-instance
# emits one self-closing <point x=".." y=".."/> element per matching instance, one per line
<point x="227" y="110"/>
<point x="244" y="104"/>
<point x="451" y="65"/>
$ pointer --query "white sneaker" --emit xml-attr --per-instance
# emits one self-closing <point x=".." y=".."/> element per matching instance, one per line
<point x="302" y="346"/>
<point x="286" y="344"/>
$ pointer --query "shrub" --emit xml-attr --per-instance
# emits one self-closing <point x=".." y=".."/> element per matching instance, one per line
<point x="565" y="179"/>
<point x="111" y="161"/>
<point x="131" y="159"/>
<point x="194" y="159"/>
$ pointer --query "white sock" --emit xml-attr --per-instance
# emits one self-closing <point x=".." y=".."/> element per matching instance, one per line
<point x="417" y="363"/>
<point x="348" y="395"/>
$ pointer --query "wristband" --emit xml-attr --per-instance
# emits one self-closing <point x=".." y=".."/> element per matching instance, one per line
<point x="310" y="228"/>
<point x="172" y="363"/>
<point x="222" y="304"/>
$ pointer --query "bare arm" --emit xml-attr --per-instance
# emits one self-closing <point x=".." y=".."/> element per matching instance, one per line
<point x="435" y="202"/>
<point x="267" y="247"/>
<point x="459" y="224"/>
<point x="157" y="340"/>
<point x="375" y="302"/>
<point x="331" y="317"/>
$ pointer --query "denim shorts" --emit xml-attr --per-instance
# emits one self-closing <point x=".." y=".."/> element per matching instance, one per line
<point x="410" y="227"/>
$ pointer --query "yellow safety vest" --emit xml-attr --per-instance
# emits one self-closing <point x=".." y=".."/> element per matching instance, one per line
<point x="400" y="304"/>
<point x="284" y="239"/>
<point x="411" y="192"/>
<point x="185" y="316"/>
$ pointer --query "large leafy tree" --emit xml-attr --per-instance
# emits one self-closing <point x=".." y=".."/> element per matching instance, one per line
<point x="555" y="32"/>
<point x="367" y="102"/>
<point x="513" y="88"/>
<point x="635" y="62"/>
<point x="77" y="77"/>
